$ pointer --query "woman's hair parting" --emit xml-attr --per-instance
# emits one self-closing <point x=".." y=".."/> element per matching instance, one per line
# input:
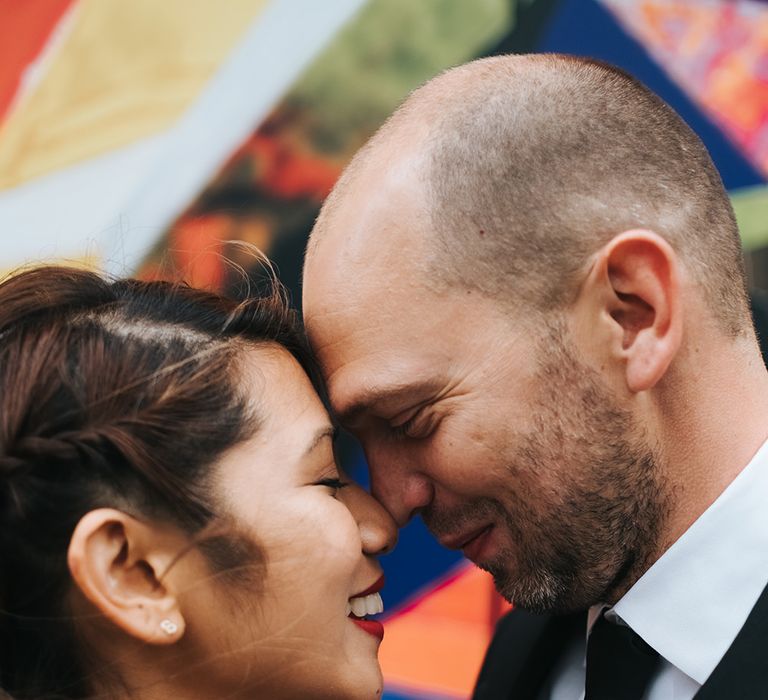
<point x="115" y="394"/>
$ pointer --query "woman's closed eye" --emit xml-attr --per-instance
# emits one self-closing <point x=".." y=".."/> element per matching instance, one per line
<point x="334" y="483"/>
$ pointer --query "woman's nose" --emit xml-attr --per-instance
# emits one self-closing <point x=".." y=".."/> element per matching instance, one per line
<point x="378" y="531"/>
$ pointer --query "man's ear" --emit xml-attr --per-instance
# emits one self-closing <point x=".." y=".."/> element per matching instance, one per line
<point x="635" y="280"/>
<point x="119" y="564"/>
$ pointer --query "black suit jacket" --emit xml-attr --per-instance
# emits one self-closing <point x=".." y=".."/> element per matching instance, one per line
<point x="526" y="647"/>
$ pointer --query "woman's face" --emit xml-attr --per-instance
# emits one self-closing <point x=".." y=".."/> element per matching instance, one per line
<point x="289" y="633"/>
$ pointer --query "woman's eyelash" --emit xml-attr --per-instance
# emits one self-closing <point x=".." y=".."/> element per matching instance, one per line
<point x="333" y="483"/>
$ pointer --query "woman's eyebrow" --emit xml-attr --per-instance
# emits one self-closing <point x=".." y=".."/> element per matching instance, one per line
<point x="327" y="431"/>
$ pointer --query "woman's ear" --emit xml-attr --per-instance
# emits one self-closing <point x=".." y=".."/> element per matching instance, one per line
<point x="635" y="288"/>
<point x="119" y="564"/>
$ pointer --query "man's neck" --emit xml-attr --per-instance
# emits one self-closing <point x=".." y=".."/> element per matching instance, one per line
<point x="710" y="429"/>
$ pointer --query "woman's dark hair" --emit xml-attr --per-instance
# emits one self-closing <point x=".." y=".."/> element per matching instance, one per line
<point x="112" y="394"/>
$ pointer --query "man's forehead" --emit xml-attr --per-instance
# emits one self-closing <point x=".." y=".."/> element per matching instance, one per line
<point x="372" y="343"/>
<point x="377" y="213"/>
<point x="357" y="358"/>
<point x="397" y="323"/>
<point x="357" y="309"/>
<point x="377" y="330"/>
<point x="348" y="291"/>
<point x="346" y="316"/>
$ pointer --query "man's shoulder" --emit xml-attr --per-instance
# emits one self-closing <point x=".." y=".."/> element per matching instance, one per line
<point x="517" y="627"/>
<point x="522" y="651"/>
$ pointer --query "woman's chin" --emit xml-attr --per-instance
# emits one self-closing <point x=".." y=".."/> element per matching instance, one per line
<point x="363" y="681"/>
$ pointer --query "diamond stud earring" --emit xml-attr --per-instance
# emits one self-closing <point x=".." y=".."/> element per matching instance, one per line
<point x="169" y="626"/>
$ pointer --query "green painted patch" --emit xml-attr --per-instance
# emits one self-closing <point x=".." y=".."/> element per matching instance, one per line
<point x="751" y="207"/>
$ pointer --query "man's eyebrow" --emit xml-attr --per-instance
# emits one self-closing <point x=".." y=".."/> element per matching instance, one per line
<point x="350" y="414"/>
<point x="327" y="431"/>
<point x="374" y="396"/>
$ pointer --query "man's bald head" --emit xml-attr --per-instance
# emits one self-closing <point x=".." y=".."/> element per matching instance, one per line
<point x="528" y="164"/>
<point x="526" y="295"/>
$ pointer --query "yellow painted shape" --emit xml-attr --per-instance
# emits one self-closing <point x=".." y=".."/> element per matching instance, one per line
<point x="126" y="70"/>
<point x="90" y="260"/>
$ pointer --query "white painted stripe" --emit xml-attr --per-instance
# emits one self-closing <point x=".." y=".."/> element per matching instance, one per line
<point x="71" y="211"/>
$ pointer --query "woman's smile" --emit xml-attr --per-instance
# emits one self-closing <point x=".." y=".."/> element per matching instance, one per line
<point x="368" y="602"/>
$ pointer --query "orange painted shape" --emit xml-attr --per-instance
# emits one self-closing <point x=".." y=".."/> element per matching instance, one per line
<point x="438" y="643"/>
<point x="24" y="29"/>
<point x="197" y="247"/>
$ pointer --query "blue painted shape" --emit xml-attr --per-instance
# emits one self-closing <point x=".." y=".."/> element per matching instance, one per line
<point x="390" y="695"/>
<point x="358" y="469"/>
<point x="418" y="559"/>
<point x="586" y="28"/>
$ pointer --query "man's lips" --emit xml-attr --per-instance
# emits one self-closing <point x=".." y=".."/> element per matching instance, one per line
<point x="460" y="540"/>
<point x="475" y="548"/>
<point x="471" y="543"/>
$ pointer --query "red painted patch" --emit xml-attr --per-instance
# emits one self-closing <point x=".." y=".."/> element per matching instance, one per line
<point x="24" y="29"/>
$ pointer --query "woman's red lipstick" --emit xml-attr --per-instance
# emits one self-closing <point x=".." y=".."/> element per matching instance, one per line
<point x="372" y="627"/>
<point x="373" y="588"/>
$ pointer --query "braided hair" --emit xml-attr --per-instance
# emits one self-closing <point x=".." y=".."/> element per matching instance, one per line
<point x="112" y="394"/>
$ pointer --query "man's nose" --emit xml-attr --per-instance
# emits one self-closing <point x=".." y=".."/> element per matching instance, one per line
<point x="402" y="490"/>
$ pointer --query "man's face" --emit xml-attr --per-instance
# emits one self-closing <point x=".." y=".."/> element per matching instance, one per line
<point x="487" y="423"/>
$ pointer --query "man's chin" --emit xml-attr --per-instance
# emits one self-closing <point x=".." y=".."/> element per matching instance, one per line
<point x="537" y="592"/>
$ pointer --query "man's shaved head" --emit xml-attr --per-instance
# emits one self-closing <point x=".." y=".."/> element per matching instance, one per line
<point x="527" y="298"/>
<point x="528" y="164"/>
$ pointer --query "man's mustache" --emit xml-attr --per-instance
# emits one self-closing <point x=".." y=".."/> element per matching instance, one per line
<point x="445" y="521"/>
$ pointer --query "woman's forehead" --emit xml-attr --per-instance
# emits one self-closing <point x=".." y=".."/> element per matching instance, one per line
<point x="281" y="395"/>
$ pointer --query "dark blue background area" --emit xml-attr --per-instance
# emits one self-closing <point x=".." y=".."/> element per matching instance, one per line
<point x="585" y="28"/>
<point x="411" y="695"/>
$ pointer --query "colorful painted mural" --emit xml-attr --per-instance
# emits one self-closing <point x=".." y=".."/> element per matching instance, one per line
<point x="439" y="607"/>
<point x="717" y="52"/>
<point x="164" y="169"/>
<point x="114" y="116"/>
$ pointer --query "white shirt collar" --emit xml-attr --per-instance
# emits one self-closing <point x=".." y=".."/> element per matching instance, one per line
<point x="690" y="605"/>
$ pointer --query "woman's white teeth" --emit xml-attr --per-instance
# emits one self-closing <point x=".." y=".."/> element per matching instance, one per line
<point x="367" y="605"/>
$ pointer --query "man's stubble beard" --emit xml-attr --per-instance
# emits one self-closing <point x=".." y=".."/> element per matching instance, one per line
<point x="586" y="499"/>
